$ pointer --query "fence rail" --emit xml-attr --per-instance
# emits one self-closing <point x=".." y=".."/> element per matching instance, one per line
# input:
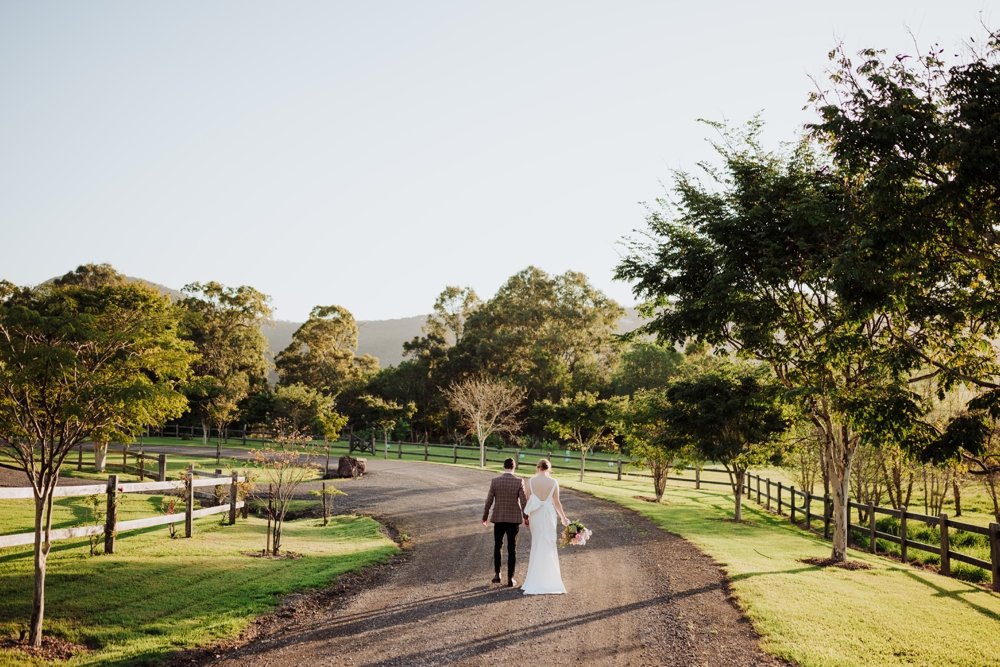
<point x="112" y="526"/>
<point x="762" y="488"/>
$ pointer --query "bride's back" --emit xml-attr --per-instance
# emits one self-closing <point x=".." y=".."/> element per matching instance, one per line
<point x="542" y="486"/>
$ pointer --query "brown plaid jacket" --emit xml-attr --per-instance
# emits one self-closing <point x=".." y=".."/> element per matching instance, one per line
<point x="507" y="491"/>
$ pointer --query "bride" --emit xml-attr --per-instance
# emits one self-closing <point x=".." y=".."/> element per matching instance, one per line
<point x="543" y="507"/>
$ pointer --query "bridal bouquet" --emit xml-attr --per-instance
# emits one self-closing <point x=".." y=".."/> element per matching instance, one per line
<point x="575" y="534"/>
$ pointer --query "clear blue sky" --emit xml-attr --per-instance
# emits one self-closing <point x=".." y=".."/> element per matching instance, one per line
<point x="370" y="153"/>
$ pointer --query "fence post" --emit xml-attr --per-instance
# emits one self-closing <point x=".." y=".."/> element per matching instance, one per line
<point x="758" y="489"/>
<point x="809" y="516"/>
<point x="111" y="517"/>
<point x="425" y="450"/>
<point x="232" y="498"/>
<point x="697" y="478"/>
<point x="768" y="497"/>
<point x="945" y="545"/>
<point x="619" y="468"/>
<point x="779" y="498"/>
<point x="902" y="533"/>
<point x="142" y="466"/>
<point x="454" y="453"/>
<point x="161" y="475"/>
<point x="995" y="554"/>
<point x="124" y="458"/>
<point x="189" y="501"/>
<point x="827" y="515"/>
<point x="791" y="503"/>
<point x="872" y="546"/>
<point x="399" y="451"/>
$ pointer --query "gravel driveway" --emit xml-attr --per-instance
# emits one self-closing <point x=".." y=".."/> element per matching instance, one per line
<point x="636" y="595"/>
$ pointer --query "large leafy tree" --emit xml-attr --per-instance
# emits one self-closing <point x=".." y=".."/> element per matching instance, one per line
<point x="81" y="361"/>
<point x="731" y="416"/>
<point x="323" y="353"/>
<point x="748" y="263"/>
<point x="552" y="335"/>
<point x="224" y="323"/>
<point x="920" y="139"/>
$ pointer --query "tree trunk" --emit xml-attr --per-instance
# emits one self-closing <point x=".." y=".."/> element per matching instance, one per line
<point x="482" y="447"/>
<point x="738" y="514"/>
<point x="43" y="526"/>
<point x="100" y="456"/>
<point x="583" y="462"/>
<point x="204" y="433"/>
<point x="956" y="488"/>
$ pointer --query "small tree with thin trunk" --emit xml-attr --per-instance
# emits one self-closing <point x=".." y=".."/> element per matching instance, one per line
<point x="585" y="421"/>
<point x="651" y="439"/>
<point x="486" y="406"/>
<point x="80" y="362"/>
<point x="288" y="463"/>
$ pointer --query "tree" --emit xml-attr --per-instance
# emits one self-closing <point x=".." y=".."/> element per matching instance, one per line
<point x="224" y="325"/>
<point x="750" y="265"/>
<point x="305" y="410"/>
<point x="486" y="406"/>
<point x="650" y="437"/>
<point x="552" y="335"/>
<point x="585" y="421"/>
<point x="919" y="139"/>
<point x="323" y="353"/>
<point x="384" y="415"/>
<point x="731" y="417"/>
<point x="78" y="362"/>
<point x="645" y="365"/>
<point x="289" y="465"/>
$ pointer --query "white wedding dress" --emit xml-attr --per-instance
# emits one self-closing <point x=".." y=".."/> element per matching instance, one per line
<point x="544" y="576"/>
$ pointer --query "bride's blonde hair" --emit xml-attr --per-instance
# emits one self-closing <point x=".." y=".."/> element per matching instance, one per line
<point x="543" y="464"/>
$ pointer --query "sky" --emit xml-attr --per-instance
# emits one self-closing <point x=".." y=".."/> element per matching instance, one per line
<point x="371" y="153"/>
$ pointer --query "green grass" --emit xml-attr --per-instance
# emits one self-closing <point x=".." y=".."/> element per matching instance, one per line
<point x="18" y="516"/>
<point x="891" y="614"/>
<point x="156" y="595"/>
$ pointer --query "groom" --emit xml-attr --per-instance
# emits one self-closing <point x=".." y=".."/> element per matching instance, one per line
<point x="507" y="491"/>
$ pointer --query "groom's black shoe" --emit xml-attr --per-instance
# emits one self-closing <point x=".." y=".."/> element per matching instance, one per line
<point x="496" y="579"/>
<point x="511" y="583"/>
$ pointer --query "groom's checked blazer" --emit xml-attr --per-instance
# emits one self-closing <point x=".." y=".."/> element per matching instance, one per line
<point x="507" y="490"/>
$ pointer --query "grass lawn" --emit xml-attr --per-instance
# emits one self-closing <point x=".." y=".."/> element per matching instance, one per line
<point x="891" y="614"/>
<point x="156" y="595"/>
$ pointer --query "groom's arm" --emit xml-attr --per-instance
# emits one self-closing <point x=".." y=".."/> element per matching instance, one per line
<point x="523" y="499"/>
<point x="489" y="501"/>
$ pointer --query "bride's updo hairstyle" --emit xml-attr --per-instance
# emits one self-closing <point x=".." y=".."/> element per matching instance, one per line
<point x="543" y="464"/>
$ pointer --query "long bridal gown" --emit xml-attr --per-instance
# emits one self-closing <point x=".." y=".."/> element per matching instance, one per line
<point x="544" y="576"/>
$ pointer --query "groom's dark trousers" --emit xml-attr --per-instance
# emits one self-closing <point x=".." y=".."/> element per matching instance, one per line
<point x="508" y="530"/>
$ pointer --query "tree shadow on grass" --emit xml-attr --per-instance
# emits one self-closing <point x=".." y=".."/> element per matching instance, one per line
<point x="957" y="595"/>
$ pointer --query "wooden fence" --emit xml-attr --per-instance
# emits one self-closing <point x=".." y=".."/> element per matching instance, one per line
<point x="111" y="526"/>
<point x="153" y="466"/>
<point x="798" y="506"/>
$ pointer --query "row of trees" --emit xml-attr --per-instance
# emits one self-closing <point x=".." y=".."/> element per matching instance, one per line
<point x="857" y="264"/>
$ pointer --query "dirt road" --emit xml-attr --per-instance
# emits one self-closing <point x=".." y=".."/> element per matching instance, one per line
<point x="636" y="595"/>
